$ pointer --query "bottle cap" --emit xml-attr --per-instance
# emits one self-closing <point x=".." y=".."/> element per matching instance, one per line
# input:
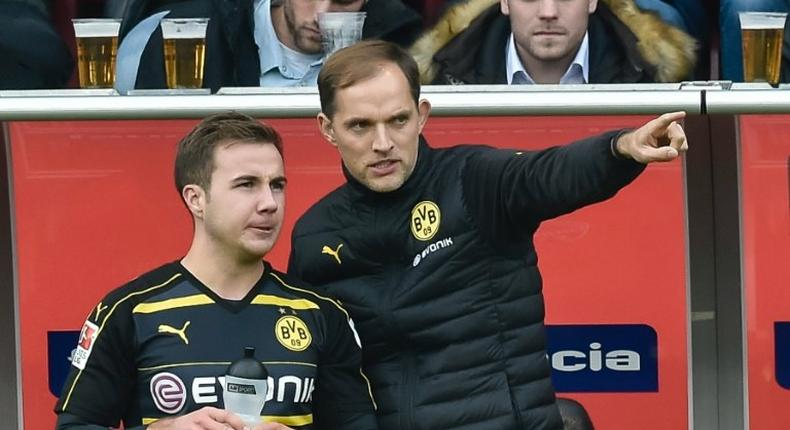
<point x="247" y="367"/>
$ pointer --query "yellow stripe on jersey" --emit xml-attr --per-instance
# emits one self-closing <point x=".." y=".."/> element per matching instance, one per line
<point x="180" y="302"/>
<point x="296" y="304"/>
<point x="222" y="363"/>
<point x="334" y="302"/>
<point x="370" y="390"/>
<point x="288" y="420"/>
<point x="101" y="328"/>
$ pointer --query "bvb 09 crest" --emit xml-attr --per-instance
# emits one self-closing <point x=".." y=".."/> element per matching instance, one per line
<point x="292" y="333"/>
<point x="425" y="220"/>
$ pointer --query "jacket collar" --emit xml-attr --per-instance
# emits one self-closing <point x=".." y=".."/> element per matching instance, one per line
<point x="614" y="57"/>
<point x="477" y="55"/>
<point x="425" y="156"/>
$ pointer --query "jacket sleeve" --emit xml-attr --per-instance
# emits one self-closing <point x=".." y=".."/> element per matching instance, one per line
<point x="295" y="268"/>
<point x="343" y="397"/>
<point x="98" y="389"/>
<point x="509" y="191"/>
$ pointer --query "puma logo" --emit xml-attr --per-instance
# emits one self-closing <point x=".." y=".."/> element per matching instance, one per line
<point x="333" y="252"/>
<point x="182" y="333"/>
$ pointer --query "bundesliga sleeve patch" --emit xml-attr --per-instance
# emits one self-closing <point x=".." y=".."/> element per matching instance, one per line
<point x="85" y="345"/>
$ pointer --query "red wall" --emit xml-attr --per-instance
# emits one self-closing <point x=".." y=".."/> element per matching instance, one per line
<point x="765" y="220"/>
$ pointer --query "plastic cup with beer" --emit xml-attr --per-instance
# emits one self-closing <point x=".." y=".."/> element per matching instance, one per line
<point x="97" y="45"/>
<point x="761" y="35"/>
<point x="185" y="51"/>
<point x="340" y="29"/>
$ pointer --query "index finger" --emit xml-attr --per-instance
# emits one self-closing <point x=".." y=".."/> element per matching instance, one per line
<point x="666" y="119"/>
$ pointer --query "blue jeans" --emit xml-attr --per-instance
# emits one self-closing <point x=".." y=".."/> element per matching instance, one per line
<point x="731" y="52"/>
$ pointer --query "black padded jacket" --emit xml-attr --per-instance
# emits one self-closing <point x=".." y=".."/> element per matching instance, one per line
<point x="442" y="281"/>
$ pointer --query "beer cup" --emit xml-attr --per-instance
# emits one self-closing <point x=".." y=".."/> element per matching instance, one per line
<point x="97" y="45"/>
<point x="761" y="35"/>
<point x="185" y="51"/>
<point x="340" y="29"/>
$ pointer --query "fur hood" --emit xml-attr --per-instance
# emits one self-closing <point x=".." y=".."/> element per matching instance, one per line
<point x="670" y="50"/>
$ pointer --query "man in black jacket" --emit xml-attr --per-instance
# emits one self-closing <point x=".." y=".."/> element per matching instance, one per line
<point x="33" y="54"/>
<point x="431" y="250"/>
<point x="553" y="42"/>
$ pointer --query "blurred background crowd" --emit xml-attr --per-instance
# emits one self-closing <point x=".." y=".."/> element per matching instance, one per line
<point x="454" y="41"/>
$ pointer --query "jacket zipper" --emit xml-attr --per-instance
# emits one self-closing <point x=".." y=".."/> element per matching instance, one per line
<point x="408" y="388"/>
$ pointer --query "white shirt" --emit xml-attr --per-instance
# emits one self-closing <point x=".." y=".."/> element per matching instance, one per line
<point x="577" y="73"/>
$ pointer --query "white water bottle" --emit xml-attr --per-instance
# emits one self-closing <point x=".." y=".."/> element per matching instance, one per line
<point x="245" y="387"/>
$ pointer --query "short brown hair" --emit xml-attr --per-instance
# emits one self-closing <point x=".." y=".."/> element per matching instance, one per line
<point x="360" y="62"/>
<point x="195" y="152"/>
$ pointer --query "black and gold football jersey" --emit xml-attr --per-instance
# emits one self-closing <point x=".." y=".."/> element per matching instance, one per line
<point x="160" y="345"/>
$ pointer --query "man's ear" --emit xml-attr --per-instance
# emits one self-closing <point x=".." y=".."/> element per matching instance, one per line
<point x="592" y="6"/>
<point x="504" y="7"/>
<point x="327" y="130"/>
<point x="195" y="198"/>
<point x="423" y="112"/>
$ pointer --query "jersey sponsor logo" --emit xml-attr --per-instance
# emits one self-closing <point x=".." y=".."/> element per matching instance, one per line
<point x="292" y="333"/>
<point x="603" y="358"/>
<point x="782" y="353"/>
<point x="85" y="345"/>
<point x="439" y="244"/>
<point x="333" y="252"/>
<point x="425" y="220"/>
<point x="180" y="332"/>
<point x="285" y="389"/>
<point x="169" y="392"/>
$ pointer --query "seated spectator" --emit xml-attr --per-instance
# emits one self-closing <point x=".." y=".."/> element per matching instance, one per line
<point x="553" y="42"/>
<point x="251" y="42"/>
<point x="33" y="55"/>
<point x="671" y="11"/>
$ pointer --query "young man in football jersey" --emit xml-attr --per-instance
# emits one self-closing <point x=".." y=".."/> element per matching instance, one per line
<point x="153" y="353"/>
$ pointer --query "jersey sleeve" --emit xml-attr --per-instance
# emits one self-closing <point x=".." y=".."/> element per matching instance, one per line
<point x="343" y="398"/>
<point x="66" y="421"/>
<point x="510" y="191"/>
<point x="98" y="389"/>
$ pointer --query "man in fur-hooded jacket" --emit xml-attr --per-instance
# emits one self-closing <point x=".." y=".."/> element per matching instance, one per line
<point x="553" y="42"/>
